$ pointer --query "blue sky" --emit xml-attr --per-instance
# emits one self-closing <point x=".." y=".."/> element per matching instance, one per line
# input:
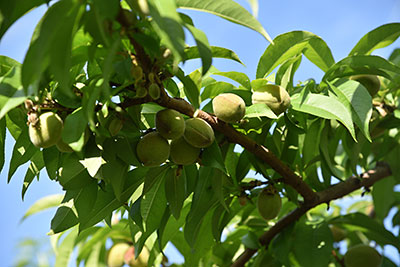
<point x="340" y="23"/>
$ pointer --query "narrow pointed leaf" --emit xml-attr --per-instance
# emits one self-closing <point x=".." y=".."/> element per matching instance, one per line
<point x="228" y="10"/>
<point x="377" y="38"/>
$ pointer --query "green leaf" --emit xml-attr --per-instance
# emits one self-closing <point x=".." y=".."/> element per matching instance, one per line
<point x="114" y="172"/>
<point x="11" y="92"/>
<point x="355" y="97"/>
<point x="192" y="91"/>
<point x="74" y="129"/>
<point x="203" y="199"/>
<point x="192" y="52"/>
<point x="239" y="77"/>
<point x="65" y="249"/>
<point x="175" y="190"/>
<point x="72" y="174"/>
<point x="318" y="52"/>
<point x="254" y="7"/>
<point x="168" y="25"/>
<point x="290" y="44"/>
<point x="107" y="202"/>
<point x="324" y="107"/>
<point x="22" y="152"/>
<point x="383" y="196"/>
<point x="153" y="205"/>
<point x="377" y="38"/>
<point x="65" y="217"/>
<point x="51" y="157"/>
<point x="33" y="170"/>
<point x="312" y="140"/>
<point x="51" y="45"/>
<point x="362" y="64"/>
<point x="316" y="248"/>
<point x="259" y="110"/>
<point x="216" y="88"/>
<point x="226" y="9"/>
<point x="2" y="142"/>
<point x="42" y="204"/>
<point x="212" y="157"/>
<point x="203" y="46"/>
<point x="12" y="11"/>
<point x="371" y="228"/>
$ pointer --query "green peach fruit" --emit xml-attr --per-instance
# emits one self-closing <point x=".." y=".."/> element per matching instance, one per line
<point x="152" y="149"/>
<point x="269" y="203"/>
<point x="370" y="82"/>
<point x="198" y="133"/>
<point x="229" y="107"/>
<point x="182" y="153"/>
<point x="141" y="91"/>
<point x="46" y="131"/>
<point x="140" y="261"/>
<point x="137" y="72"/>
<point x="170" y="124"/>
<point x="361" y="256"/>
<point x="154" y="91"/>
<point x="338" y="233"/>
<point x="116" y="255"/>
<point x="274" y="96"/>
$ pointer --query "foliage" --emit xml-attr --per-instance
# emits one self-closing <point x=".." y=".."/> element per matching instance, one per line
<point x="98" y="64"/>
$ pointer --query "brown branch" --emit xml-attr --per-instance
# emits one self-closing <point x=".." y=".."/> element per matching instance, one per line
<point x="288" y="176"/>
<point x="339" y="190"/>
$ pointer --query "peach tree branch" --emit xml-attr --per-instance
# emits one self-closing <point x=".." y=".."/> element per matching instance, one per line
<point x="339" y="190"/>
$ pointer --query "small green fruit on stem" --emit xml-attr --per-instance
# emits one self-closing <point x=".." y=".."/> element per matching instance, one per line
<point x="182" y="153"/>
<point x="152" y="149"/>
<point x="274" y="96"/>
<point x="140" y="261"/>
<point x="269" y="203"/>
<point x="361" y="256"/>
<point x="370" y="82"/>
<point x="46" y="131"/>
<point x="198" y="133"/>
<point x="229" y="107"/>
<point x="170" y="124"/>
<point x="116" y="255"/>
<point x="154" y="91"/>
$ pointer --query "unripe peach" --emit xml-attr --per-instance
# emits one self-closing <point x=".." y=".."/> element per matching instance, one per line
<point x="170" y="123"/>
<point x="182" y="153"/>
<point x="198" y="133"/>
<point x="370" y="82"/>
<point x="269" y="203"/>
<point x="116" y="254"/>
<point x="140" y="261"/>
<point x="154" y="91"/>
<point x="46" y="131"/>
<point x="137" y="72"/>
<point x="229" y="107"/>
<point x="361" y="256"/>
<point x="152" y="149"/>
<point x="274" y="96"/>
